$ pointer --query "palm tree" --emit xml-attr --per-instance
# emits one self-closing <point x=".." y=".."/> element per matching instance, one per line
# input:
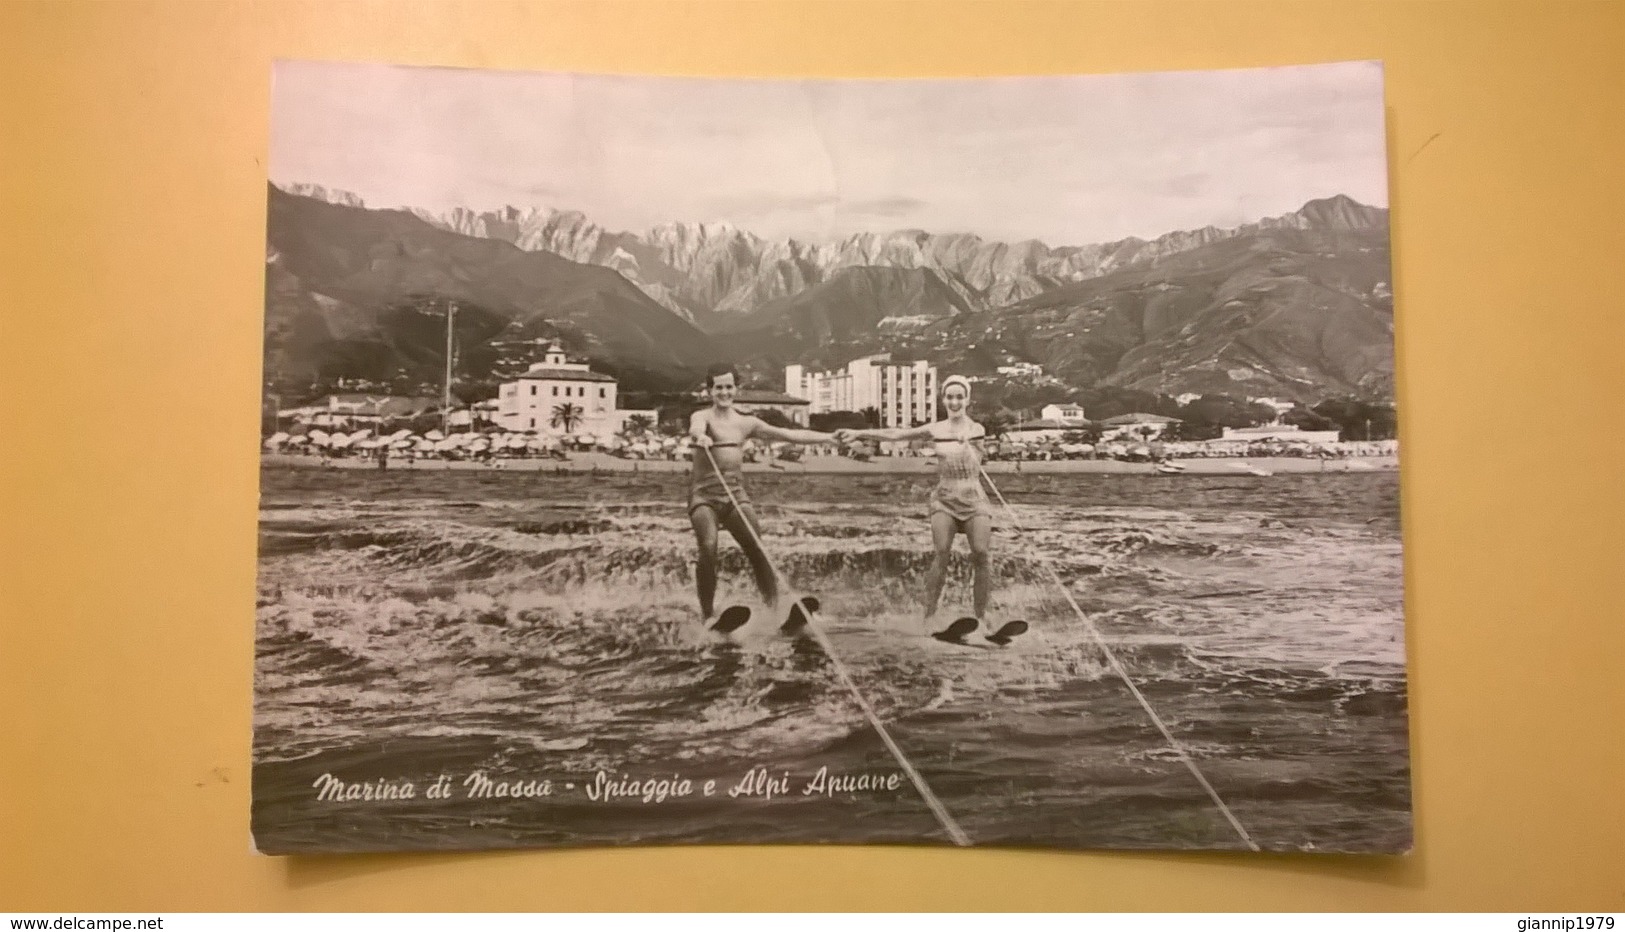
<point x="638" y="424"/>
<point x="567" y="416"/>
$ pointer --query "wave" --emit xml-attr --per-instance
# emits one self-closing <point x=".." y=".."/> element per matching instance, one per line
<point x="563" y="554"/>
<point x="480" y="619"/>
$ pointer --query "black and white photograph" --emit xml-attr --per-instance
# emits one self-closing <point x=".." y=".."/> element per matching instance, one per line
<point x="1003" y="462"/>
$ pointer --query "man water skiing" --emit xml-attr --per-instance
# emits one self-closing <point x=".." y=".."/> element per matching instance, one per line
<point x="718" y="434"/>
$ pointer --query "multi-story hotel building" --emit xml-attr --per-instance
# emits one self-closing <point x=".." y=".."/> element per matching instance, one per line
<point x="905" y="394"/>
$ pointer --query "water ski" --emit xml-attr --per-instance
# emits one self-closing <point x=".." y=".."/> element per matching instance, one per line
<point x="962" y="627"/>
<point x="801" y="612"/>
<point x="955" y="632"/>
<point x="732" y="619"/>
<point x="1007" y="632"/>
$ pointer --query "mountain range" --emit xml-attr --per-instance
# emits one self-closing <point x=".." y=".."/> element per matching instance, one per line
<point x="694" y="268"/>
<point x="362" y="293"/>
<point x="1296" y="306"/>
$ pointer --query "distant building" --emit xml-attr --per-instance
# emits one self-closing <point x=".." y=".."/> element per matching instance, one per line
<point x="1021" y="370"/>
<point x="756" y="401"/>
<point x="354" y="410"/>
<point x="1275" y="404"/>
<point x="537" y="399"/>
<point x="1068" y="414"/>
<point x="1040" y="431"/>
<point x="514" y="356"/>
<point x="1287" y="433"/>
<point x="1137" y="426"/>
<point x="905" y="394"/>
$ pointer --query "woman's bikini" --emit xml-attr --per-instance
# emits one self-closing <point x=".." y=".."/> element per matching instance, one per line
<point x="959" y="492"/>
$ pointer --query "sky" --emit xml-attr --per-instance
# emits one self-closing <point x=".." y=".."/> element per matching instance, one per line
<point x="1066" y="160"/>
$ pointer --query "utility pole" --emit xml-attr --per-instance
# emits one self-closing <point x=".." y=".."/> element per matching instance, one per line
<point x="445" y="401"/>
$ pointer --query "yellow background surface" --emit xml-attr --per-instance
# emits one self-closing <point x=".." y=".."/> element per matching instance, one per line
<point x="132" y="151"/>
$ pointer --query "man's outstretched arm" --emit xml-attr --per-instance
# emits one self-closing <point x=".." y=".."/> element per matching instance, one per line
<point x="768" y="432"/>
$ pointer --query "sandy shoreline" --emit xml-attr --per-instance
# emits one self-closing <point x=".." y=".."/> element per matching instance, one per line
<point x="885" y="465"/>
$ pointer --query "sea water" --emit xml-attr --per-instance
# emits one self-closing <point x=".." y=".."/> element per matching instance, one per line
<point x="522" y="651"/>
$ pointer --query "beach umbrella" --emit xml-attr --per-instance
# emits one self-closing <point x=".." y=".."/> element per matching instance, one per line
<point x="423" y="445"/>
<point x="362" y="434"/>
<point x="278" y="437"/>
<point x="435" y="435"/>
<point x="318" y="436"/>
<point x="401" y="434"/>
<point x="338" y="442"/>
<point x="445" y="443"/>
<point x="298" y="441"/>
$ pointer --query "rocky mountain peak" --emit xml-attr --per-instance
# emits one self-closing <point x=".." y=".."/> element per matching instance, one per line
<point x="321" y="193"/>
<point x="1341" y="212"/>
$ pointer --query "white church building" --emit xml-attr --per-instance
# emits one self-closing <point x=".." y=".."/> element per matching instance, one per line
<point x="559" y="397"/>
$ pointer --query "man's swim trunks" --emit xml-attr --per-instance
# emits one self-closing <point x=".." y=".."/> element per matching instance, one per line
<point x="705" y="487"/>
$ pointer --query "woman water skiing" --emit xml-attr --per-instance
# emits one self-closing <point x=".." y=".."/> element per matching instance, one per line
<point x="958" y="503"/>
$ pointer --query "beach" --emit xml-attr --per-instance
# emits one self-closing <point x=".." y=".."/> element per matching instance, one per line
<point x="880" y="465"/>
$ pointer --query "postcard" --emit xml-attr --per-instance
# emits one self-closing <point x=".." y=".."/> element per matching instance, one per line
<point x="993" y="462"/>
